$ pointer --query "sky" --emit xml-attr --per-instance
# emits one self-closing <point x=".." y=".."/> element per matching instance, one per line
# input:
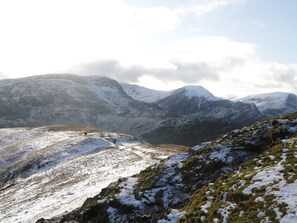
<point x="233" y="48"/>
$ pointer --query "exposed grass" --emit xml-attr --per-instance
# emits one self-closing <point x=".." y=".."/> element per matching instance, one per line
<point x="247" y="208"/>
<point x="146" y="179"/>
<point x="61" y="128"/>
<point x="172" y="148"/>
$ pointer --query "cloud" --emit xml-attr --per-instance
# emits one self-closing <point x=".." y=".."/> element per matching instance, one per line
<point x="283" y="75"/>
<point x="223" y="66"/>
<point x="257" y="76"/>
<point x="199" y="7"/>
<point x="110" y="68"/>
<point x="181" y="71"/>
<point x="207" y="6"/>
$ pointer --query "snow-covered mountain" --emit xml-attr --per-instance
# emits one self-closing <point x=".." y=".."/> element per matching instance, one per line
<point x="248" y="175"/>
<point x="47" y="171"/>
<point x="153" y="96"/>
<point x="102" y="102"/>
<point x="197" y="101"/>
<point x="143" y="94"/>
<point x="71" y="99"/>
<point x="274" y="104"/>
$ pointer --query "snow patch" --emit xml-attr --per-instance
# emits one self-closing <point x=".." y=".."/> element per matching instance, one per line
<point x="221" y="154"/>
<point x="126" y="196"/>
<point x="225" y="211"/>
<point x="205" y="206"/>
<point x="173" y="216"/>
<point x="176" y="159"/>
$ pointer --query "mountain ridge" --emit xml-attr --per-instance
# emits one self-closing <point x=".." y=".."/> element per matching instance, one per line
<point x="269" y="104"/>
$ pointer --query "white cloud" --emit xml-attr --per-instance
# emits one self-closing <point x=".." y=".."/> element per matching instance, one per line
<point x="223" y="66"/>
<point x="180" y="71"/>
<point x="207" y="6"/>
<point x="238" y="68"/>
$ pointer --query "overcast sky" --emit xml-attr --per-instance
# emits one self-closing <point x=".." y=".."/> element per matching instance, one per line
<point x="231" y="47"/>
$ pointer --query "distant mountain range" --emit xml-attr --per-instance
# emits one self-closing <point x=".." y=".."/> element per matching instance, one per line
<point x="187" y="116"/>
<point x="192" y="99"/>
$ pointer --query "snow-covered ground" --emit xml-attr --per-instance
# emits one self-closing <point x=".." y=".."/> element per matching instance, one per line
<point x="47" y="173"/>
<point x="273" y="179"/>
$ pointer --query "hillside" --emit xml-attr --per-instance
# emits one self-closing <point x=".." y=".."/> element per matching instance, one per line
<point x="236" y="178"/>
<point x="46" y="171"/>
<point x="71" y="99"/>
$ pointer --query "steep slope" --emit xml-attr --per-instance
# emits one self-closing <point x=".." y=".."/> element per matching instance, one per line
<point x="70" y="99"/>
<point x="46" y="171"/>
<point x="143" y="94"/>
<point x="274" y="104"/>
<point x="194" y="187"/>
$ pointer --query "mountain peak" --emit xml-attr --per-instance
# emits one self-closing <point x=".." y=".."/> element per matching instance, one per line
<point x="196" y="91"/>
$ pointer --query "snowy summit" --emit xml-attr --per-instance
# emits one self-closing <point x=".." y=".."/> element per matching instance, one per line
<point x="196" y="91"/>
